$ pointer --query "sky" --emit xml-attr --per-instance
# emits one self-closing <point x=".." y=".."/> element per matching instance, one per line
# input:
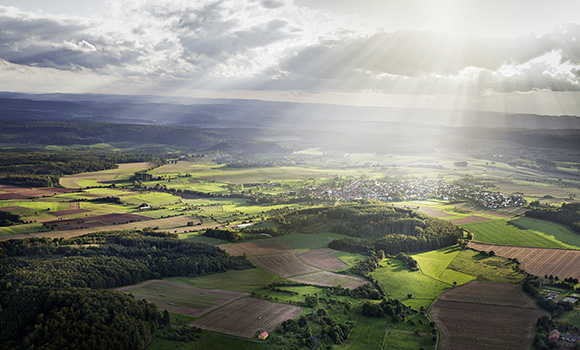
<point x="517" y="56"/>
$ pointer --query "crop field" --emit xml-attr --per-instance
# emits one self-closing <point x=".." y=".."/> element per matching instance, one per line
<point x="308" y="241"/>
<point x="468" y="220"/>
<point x="551" y="229"/>
<point x="95" y="221"/>
<point x="181" y="299"/>
<point x="284" y="265"/>
<point x="539" y="261"/>
<point x="325" y="278"/>
<point x="323" y="258"/>
<point x="266" y="247"/>
<point x="503" y="232"/>
<point x="248" y="316"/>
<point x="246" y="281"/>
<point x="486" y="315"/>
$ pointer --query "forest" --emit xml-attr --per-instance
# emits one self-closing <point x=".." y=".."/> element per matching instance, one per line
<point x="53" y="290"/>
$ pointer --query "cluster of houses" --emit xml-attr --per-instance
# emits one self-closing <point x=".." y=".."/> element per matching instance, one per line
<point x="556" y="336"/>
<point x="417" y="189"/>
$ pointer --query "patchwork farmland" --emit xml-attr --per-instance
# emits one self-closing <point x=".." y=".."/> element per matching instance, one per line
<point x="538" y="261"/>
<point x="483" y="315"/>
<point x="247" y="317"/>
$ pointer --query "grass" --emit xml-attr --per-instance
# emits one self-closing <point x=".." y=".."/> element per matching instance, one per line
<point x="22" y="229"/>
<point x="247" y="281"/>
<point x="350" y="259"/>
<point x="504" y="232"/>
<point x="487" y="269"/>
<point x="180" y="319"/>
<point x="434" y="264"/>
<point x="162" y="294"/>
<point x="197" y="237"/>
<point x="398" y="281"/>
<point x="309" y="241"/>
<point x="208" y="341"/>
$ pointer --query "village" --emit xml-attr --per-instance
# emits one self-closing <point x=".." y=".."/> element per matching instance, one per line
<point x="417" y="189"/>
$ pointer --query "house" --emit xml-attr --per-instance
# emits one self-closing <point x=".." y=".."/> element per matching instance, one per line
<point x="263" y="335"/>
<point x="243" y="225"/>
<point x="554" y="335"/>
<point x="570" y="338"/>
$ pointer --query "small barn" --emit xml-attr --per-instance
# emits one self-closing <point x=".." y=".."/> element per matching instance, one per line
<point x="263" y="335"/>
<point x="554" y="335"/>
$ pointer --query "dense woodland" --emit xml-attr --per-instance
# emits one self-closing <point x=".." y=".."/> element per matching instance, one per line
<point x="35" y="168"/>
<point x="372" y="226"/>
<point x="52" y="290"/>
<point x="568" y="214"/>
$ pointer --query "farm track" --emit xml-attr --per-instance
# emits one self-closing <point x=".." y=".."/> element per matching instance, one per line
<point x="538" y="261"/>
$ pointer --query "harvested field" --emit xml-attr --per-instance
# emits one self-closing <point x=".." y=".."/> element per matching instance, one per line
<point x="67" y="212"/>
<point x="468" y="220"/>
<point x="270" y="247"/>
<point x="325" y="278"/>
<point x="323" y="258"/>
<point x="15" y="208"/>
<point x="503" y="294"/>
<point x="9" y="196"/>
<point x="25" y="192"/>
<point x="539" y="261"/>
<point x="180" y="298"/>
<point x="283" y="264"/>
<point x="482" y="315"/>
<point x="95" y="221"/>
<point x="248" y="316"/>
<point x="433" y="212"/>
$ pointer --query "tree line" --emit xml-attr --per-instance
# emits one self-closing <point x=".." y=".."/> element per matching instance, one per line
<point x="568" y="214"/>
<point x="52" y="291"/>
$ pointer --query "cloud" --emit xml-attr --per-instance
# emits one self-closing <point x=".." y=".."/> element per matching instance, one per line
<point x="276" y="45"/>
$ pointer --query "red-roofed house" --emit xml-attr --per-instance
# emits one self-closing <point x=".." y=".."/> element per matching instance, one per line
<point x="264" y="335"/>
<point x="554" y="335"/>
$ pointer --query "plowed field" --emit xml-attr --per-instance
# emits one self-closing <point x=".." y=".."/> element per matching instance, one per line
<point x="248" y="316"/>
<point x="323" y="258"/>
<point x="539" y="261"/>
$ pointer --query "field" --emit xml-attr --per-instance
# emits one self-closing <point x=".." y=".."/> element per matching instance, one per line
<point x="323" y="258"/>
<point x="486" y="269"/>
<point x="486" y="315"/>
<point x="247" y="317"/>
<point x="246" y="281"/>
<point x="284" y="265"/>
<point x="435" y="264"/>
<point x="539" y="261"/>
<point x="551" y="229"/>
<point x="269" y="247"/>
<point x="506" y="232"/>
<point x="325" y="278"/>
<point x="180" y="298"/>
<point x="105" y="177"/>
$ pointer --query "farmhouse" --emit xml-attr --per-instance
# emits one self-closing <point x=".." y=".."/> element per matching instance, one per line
<point x="554" y="335"/>
<point x="570" y="338"/>
<point x="263" y="335"/>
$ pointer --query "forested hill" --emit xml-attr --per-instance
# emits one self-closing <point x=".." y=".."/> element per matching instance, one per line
<point x="52" y="291"/>
<point x="372" y="226"/>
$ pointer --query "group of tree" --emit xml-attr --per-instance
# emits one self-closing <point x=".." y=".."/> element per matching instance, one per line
<point x="545" y="325"/>
<point x="40" y="168"/>
<point x="532" y="285"/>
<point x="9" y="219"/>
<point x="53" y="291"/>
<point x="387" y="307"/>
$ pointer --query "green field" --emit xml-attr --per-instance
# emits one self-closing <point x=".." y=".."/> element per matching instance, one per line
<point x="242" y="281"/>
<point x="350" y="259"/>
<point x="486" y="269"/>
<point x="434" y="264"/>
<point x="398" y="281"/>
<point x="22" y="229"/>
<point x="506" y="232"/>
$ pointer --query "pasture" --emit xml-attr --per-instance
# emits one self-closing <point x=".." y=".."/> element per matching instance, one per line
<point x="247" y="317"/>
<point x="486" y="269"/>
<point x="181" y="299"/>
<point x="486" y="315"/>
<point x="539" y="261"/>
<point x="435" y="264"/>
<point x="329" y="279"/>
<point x="504" y="232"/>
<point x="246" y="281"/>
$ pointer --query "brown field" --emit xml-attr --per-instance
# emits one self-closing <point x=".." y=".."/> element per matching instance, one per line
<point x="270" y="247"/>
<point x="433" y="212"/>
<point x="15" y="208"/>
<point x="323" y="258"/>
<point x="283" y="264"/>
<point x="26" y="192"/>
<point x="539" y="261"/>
<point x="325" y="278"/>
<point x="10" y="196"/>
<point x="482" y="315"/>
<point x="468" y="220"/>
<point x="503" y="294"/>
<point x="247" y="317"/>
<point x="220" y="297"/>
